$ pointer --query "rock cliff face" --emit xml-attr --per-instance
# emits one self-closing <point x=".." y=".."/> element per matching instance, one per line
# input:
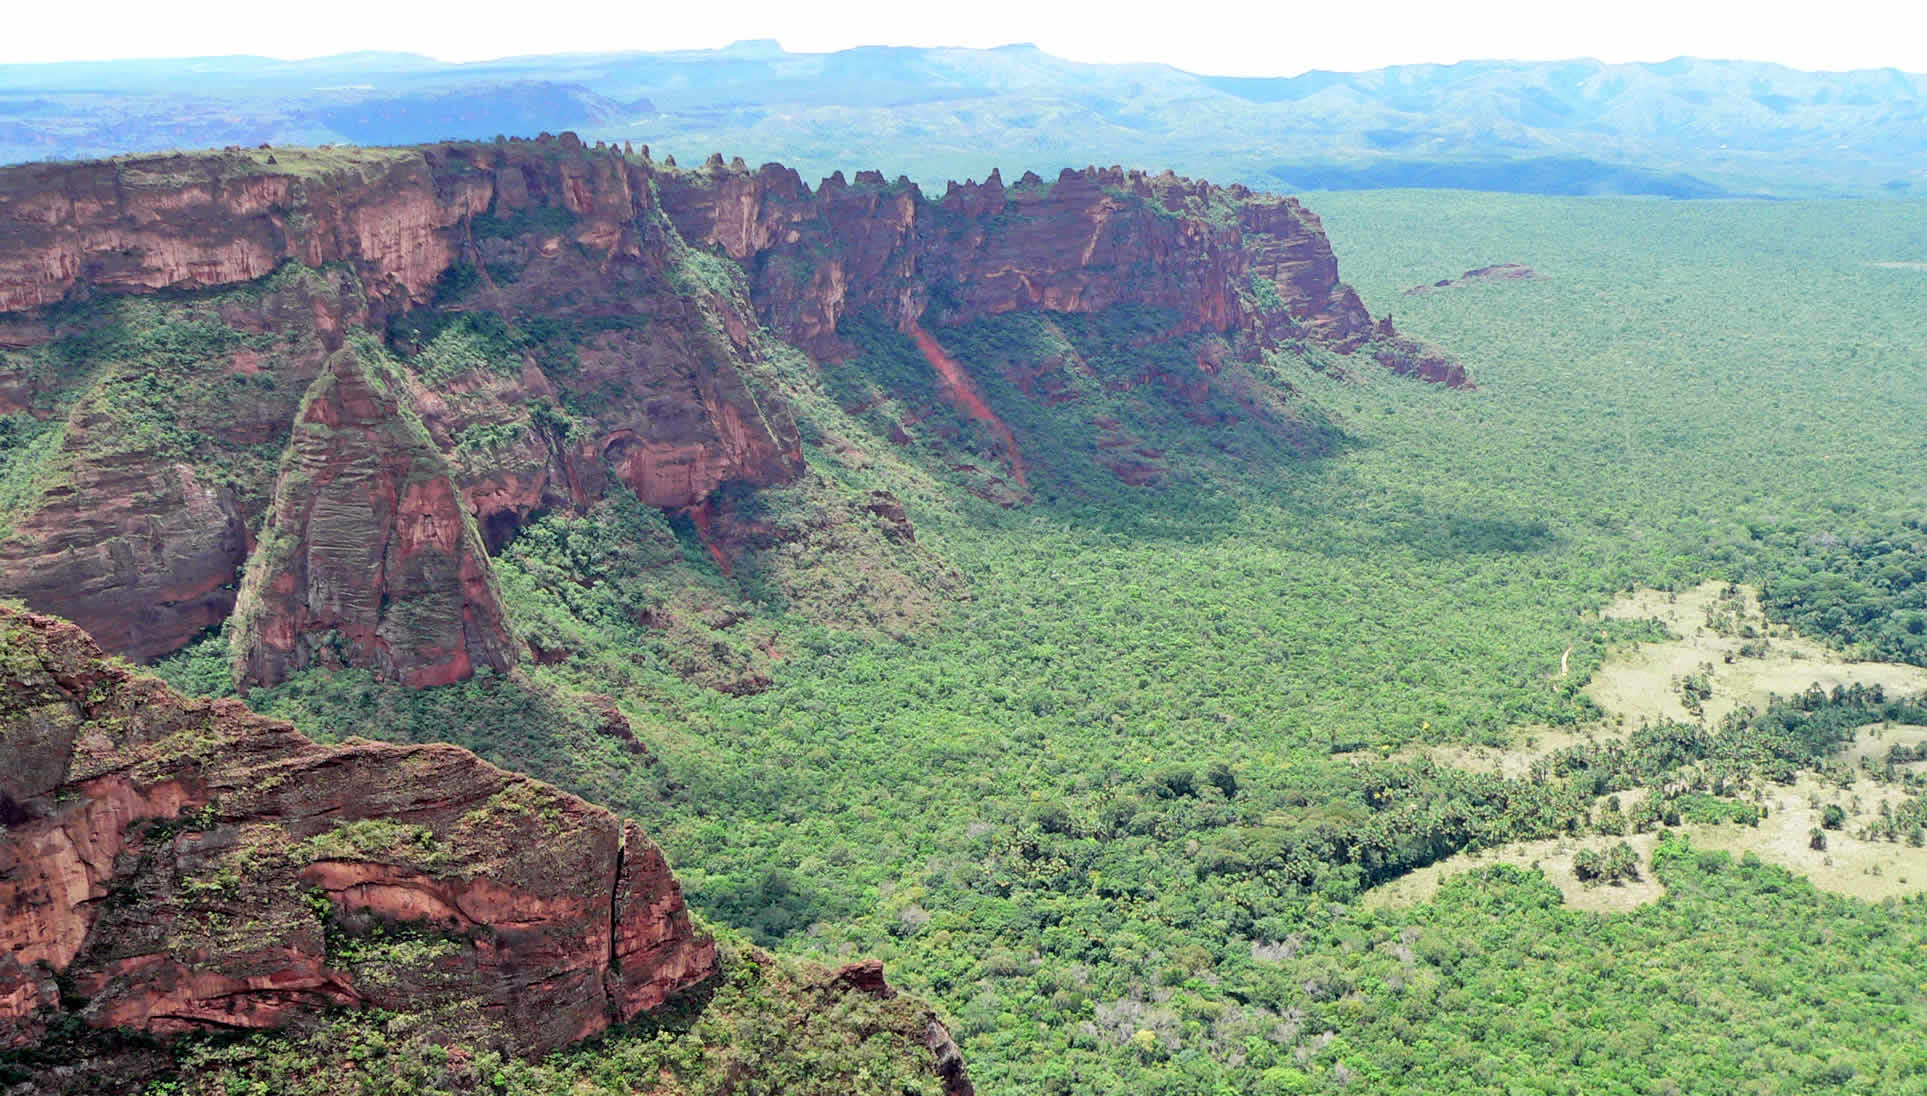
<point x="361" y="553"/>
<point x="139" y="541"/>
<point x="140" y="550"/>
<point x="172" y="865"/>
<point x="194" y="222"/>
<point x="368" y="556"/>
<point x="1222" y="259"/>
<point x="323" y="386"/>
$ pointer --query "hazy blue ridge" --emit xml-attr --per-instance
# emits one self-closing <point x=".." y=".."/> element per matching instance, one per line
<point x="1683" y="128"/>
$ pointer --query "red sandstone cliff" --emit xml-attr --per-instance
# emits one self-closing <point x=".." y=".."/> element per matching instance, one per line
<point x="622" y="351"/>
<point x="1092" y="240"/>
<point x="368" y="556"/>
<point x="193" y="222"/>
<point x="145" y="536"/>
<point x="186" y="865"/>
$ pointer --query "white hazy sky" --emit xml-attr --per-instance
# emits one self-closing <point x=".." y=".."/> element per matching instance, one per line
<point x="1279" y="37"/>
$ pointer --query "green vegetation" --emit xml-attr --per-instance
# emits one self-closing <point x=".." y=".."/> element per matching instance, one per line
<point x="548" y="220"/>
<point x="169" y="378"/>
<point x="768" y="1026"/>
<point x="1864" y="587"/>
<point x="28" y="446"/>
<point x="1615" y="865"/>
<point x="1116" y="809"/>
<point x="472" y="341"/>
<point x="369" y="836"/>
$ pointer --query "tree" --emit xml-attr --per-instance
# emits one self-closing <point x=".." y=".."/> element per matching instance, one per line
<point x="1621" y="862"/>
<point x="1588" y="865"/>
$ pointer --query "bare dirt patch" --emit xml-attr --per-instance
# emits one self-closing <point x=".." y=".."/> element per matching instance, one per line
<point x="1726" y="642"/>
<point x="1515" y="761"/>
<point x="1553" y="856"/>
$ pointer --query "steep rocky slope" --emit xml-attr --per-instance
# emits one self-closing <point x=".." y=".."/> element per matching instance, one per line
<point x="1091" y="240"/>
<point x="319" y="389"/>
<point x="368" y="545"/>
<point x="172" y="866"/>
<point x="175" y="871"/>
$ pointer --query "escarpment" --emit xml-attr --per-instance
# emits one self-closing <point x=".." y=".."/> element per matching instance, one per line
<point x="1222" y="259"/>
<point x="317" y="390"/>
<point x="174" y="865"/>
<point x="368" y="548"/>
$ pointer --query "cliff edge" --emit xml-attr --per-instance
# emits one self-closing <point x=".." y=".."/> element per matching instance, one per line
<point x="173" y="866"/>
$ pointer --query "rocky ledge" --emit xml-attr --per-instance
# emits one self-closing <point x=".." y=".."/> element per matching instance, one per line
<point x="308" y="393"/>
<point x="172" y="865"/>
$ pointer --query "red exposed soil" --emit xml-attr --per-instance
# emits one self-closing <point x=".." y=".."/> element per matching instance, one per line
<point x="700" y="516"/>
<point x="957" y="385"/>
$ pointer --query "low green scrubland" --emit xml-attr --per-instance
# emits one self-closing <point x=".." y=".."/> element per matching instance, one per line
<point x="1093" y="810"/>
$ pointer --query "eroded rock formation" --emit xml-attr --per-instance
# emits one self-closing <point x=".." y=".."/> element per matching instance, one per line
<point x="1222" y="259"/>
<point x="372" y="367"/>
<point x="184" y="865"/>
<point x="193" y="222"/>
<point x="368" y="556"/>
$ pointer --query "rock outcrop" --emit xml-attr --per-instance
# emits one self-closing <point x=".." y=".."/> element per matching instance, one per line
<point x="368" y="557"/>
<point x="866" y="977"/>
<point x="141" y="551"/>
<point x="1221" y="259"/>
<point x="1500" y="272"/>
<point x="173" y="865"/>
<point x="442" y="343"/>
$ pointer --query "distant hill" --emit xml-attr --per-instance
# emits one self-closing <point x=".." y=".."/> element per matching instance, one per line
<point x="1682" y="128"/>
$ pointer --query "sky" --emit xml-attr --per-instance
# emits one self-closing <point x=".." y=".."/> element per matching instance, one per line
<point x="1274" y="38"/>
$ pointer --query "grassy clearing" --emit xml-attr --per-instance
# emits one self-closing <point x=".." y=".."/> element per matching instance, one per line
<point x="1867" y="870"/>
<point x="1641" y="683"/>
<point x="1553" y="856"/>
<point x="1874" y="742"/>
<point x="186" y="168"/>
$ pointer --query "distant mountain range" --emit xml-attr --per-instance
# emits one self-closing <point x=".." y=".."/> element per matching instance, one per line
<point x="1682" y="128"/>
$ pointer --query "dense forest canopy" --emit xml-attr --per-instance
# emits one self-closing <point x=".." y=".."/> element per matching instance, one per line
<point x="1109" y="813"/>
<point x="1111" y="766"/>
